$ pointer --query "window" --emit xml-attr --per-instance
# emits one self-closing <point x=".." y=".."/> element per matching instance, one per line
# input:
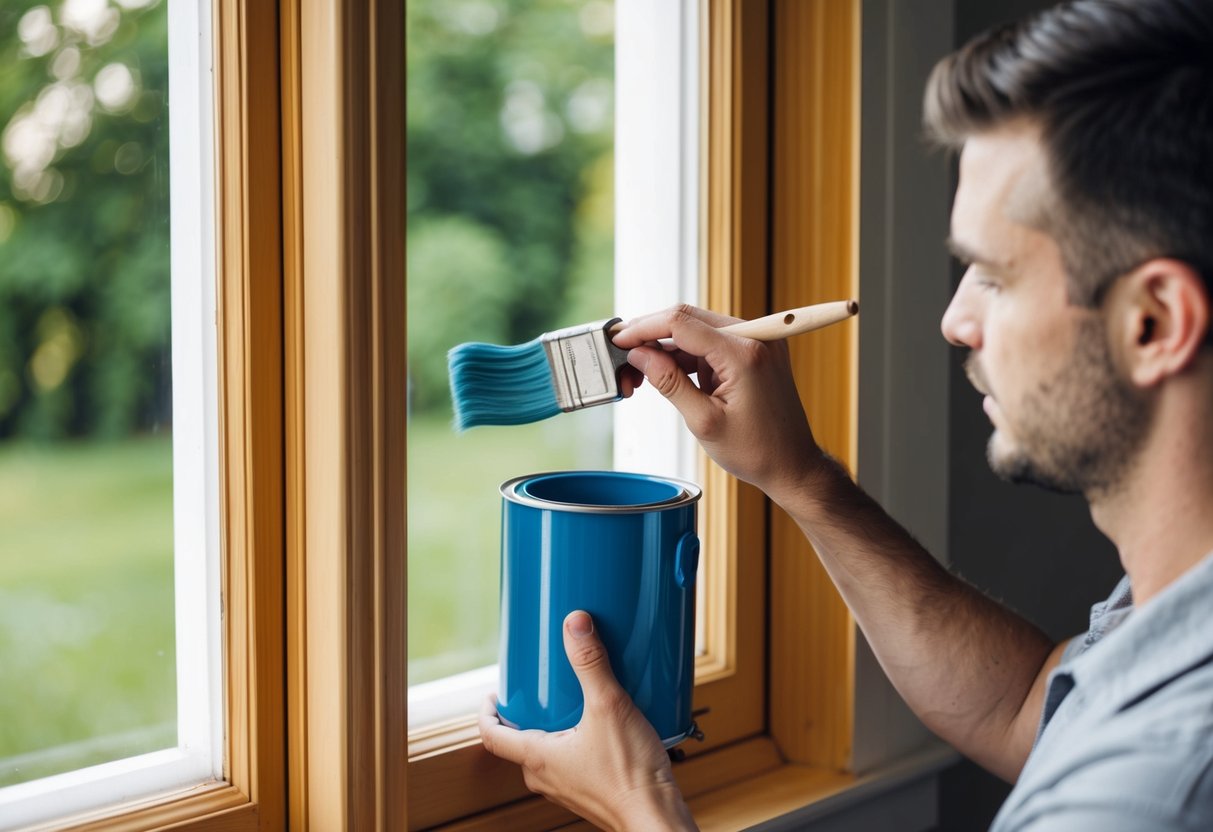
<point x="309" y="197"/>
<point x="510" y="233"/>
<point x="663" y="256"/>
<point x="111" y="640"/>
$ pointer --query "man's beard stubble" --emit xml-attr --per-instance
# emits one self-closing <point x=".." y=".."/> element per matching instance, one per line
<point x="1079" y="431"/>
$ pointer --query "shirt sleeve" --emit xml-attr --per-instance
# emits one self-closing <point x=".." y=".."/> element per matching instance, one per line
<point x="1101" y="819"/>
<point x="1163" y="788"/>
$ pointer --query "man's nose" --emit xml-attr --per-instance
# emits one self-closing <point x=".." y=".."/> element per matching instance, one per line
<point x="961" y="324"/>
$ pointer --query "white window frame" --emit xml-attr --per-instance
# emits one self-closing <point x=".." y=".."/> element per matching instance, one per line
<point x="198" y="757"/>
<point x="657" y="175"/>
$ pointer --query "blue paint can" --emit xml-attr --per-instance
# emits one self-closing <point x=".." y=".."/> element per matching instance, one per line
<point x="623" y="548"/>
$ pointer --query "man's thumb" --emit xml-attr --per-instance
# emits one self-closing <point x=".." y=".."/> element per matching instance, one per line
<point x="588" y="656"/>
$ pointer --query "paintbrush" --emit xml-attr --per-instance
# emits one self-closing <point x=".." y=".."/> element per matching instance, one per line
<point x="577" y="367"/>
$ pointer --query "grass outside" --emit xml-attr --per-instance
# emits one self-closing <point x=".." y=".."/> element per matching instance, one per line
<point x="87" y="650"/>
<point x="455" y="526"/>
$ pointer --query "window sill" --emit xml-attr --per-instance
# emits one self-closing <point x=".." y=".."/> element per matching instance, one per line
<point x="900" y="796"/>
<point x="748" y="786"/>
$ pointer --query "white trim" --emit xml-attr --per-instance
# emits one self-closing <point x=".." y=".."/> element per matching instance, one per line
<point x="450" y="697"/>
<point x="656" y="202"/>
<point x="195" y="404"/>
<point x="198" y="757"/>
<point x="54" y="798"/>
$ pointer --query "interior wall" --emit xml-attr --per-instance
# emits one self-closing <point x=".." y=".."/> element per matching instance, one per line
<point x="903" y="361"/>
<point x="1039" y="552"/>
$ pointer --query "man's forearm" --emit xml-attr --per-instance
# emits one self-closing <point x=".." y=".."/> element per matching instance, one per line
<point x="965" y="664"/>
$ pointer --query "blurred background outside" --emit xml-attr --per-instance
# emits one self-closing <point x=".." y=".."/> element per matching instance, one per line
<point x="87" y="658"/>
<point x="510" y="233"/>
<point x="510" y="120"/>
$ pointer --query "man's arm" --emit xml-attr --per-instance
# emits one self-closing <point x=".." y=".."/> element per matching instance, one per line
<point x="972" y="670"/>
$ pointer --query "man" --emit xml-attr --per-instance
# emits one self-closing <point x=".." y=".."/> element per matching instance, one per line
<point x="1084" y="214"/>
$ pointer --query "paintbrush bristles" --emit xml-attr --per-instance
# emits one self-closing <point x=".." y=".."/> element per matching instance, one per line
<point x="496" y="385"/>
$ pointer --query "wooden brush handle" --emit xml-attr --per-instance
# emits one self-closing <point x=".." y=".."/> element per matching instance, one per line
<point x="794" y="321"/>
<point x="783" y="324"/>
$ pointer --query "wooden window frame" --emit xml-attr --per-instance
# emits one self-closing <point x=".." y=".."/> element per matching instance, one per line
<point x="451" y="778"/>
<point x="344" y="218"/>
<point x="769" y="243"/>
<point x="252" y="794"/>
<point x="311" y="219"/>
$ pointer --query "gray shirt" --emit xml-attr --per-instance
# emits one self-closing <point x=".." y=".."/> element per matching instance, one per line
<point x="1126" y="735"/>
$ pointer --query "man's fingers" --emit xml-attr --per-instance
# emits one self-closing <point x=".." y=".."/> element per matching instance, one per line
<point x="588" y="656"/>
<point x="664" y="372"/>
<point x="500" y="740"/>
<point x="629" y="379"/>
<point x="682" y="323"/>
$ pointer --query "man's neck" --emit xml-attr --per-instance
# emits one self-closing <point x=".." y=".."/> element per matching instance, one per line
<point x="1161" y="518"/>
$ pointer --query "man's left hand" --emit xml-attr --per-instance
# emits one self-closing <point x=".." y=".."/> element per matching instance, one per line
<point x="611" y="767"/>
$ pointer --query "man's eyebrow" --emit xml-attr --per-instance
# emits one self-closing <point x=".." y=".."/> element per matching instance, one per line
<point x="967" y="255"/>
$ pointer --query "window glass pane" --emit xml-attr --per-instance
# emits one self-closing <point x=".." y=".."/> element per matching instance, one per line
<point x="510" y="234"/>
<point x="87" y="634"/>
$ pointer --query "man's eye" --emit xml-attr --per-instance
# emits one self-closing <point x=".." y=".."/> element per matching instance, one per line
<point x="986" y="282"/>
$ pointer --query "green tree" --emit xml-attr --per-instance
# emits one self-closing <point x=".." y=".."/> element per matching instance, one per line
<point x="84" y="218"/>
<point x="509" y="115"/>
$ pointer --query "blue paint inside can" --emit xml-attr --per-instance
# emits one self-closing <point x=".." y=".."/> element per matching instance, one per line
<point x="622" y="547"/>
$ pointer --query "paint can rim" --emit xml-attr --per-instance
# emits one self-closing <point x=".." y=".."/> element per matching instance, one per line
<point x="688" y="493"/>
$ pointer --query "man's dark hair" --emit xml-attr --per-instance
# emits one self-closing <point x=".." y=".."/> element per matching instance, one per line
<point x="1122" y="92"/>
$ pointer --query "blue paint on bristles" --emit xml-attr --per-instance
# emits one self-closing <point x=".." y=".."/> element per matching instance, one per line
<point x="496" y="385"/>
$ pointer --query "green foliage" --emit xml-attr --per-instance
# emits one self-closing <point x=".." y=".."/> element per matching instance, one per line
<point x="459" y="289"/>
<point x="84" y="227"/>
<point x="509" y="109"/>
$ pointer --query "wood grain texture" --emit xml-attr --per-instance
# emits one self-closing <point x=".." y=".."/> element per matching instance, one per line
<point x="189" y="809"/>
<point x="347" y="323"/>
<point x="295" y="383"/>
<point x="814" y="249"/>
<point x="251" y="426"/>
<point x="696" y="776"/>
<point x="734" y="254"/>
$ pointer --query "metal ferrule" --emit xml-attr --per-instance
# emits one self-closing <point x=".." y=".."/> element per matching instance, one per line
<point x="585" y="364"/>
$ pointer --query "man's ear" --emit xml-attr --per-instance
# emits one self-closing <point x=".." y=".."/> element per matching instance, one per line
<point x="1161" y="314"/>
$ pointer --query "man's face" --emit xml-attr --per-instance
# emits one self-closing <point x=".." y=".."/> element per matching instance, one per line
<point x="1063" y="416"/>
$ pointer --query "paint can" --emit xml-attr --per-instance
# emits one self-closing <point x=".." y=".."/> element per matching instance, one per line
<point x="621" y="546"/>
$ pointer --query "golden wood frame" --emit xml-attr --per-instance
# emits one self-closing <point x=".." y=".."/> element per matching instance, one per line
<point x="252" y="796"/>
<point x="343" y="113"/>
<point x="771" y="241"/>
<point x="312" y="341"/>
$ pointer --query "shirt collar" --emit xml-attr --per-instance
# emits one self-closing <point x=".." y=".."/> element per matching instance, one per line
<point x="1139" y="648"/>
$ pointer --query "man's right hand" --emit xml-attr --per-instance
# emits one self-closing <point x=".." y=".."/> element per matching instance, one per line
<point x="745" y="410"/>
<point x="972" y="670"/>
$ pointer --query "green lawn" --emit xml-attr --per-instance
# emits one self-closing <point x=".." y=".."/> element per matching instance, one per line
<point x="454" y="526"/>
<point x="87" y="657"/>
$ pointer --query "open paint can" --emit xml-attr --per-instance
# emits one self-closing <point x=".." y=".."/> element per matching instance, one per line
<point x="623" y="548"/>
